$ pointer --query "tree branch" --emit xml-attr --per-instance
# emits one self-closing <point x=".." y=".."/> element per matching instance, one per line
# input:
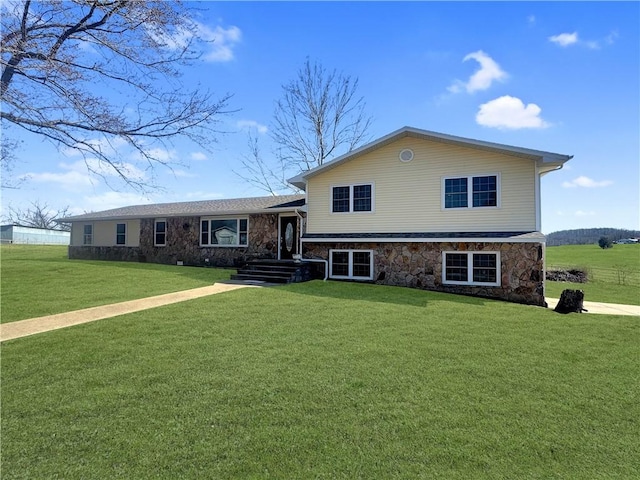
<point x="48" y="76"/>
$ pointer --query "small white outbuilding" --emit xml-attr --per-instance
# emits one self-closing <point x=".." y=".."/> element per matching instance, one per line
<point x="19" y="234"/>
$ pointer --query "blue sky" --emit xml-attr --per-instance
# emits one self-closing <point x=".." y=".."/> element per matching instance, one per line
<point x="556" y="76"/>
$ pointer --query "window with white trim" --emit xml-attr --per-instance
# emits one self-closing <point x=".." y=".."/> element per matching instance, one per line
<point x="160" y="233"/>
<point x="87" y="234"/>
<point x="351" y="264"/>
<point x="471" y="192"/>
<point x="352" y="198"/>
<point x="121" y="234"/>
<point x="224" y="232"/>
<point x="471" y="268"/>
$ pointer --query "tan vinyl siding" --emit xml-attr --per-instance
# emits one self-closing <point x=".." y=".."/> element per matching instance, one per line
<point x="104" y="233"/>
<point x="408" y="196"/>
<point x="77" y="233"/>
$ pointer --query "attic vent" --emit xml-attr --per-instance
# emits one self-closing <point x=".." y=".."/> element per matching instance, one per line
<point x="406" y="155"/>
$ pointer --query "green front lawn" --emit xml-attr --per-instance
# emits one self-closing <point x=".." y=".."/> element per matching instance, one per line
<point x="326" y="380"/>
<point x="41" y="280"/>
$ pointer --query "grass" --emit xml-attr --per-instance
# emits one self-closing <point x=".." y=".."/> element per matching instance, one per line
<point x="326" y="380"/>
<point x="614" y="274"/>
<point x="41" y="280"/>
<point x="313" y="380"/>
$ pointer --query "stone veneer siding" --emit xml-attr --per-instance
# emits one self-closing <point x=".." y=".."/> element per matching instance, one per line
<point x="183" y="244"/>
<point x="419" y="265"/>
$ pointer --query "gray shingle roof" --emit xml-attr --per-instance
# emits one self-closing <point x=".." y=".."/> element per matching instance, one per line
<point x="528" y="235"/>
<point x="204" y="207"/>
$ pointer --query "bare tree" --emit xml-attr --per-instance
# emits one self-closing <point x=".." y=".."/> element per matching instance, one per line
<point x="319" y="117"/>
<point x="259" y="172"/>
<point x="8" y="159"/>
<point x="86" y="74"/>
<point x="38" y="215"/>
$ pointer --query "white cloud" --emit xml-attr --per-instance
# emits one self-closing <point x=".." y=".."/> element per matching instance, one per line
<point x="111" y="199"/>
<point x="611" y="38"/>
<point x="592" y="44"/>
<point x="78" y="176"/>
<point x="577" y="213"/>
<point x="251" y="124"/>
<point x="184" y="174"/>
<point x="509" y="112"/>
<point x="107" y="170"/>
<point x="198" y="156"/>
<point x="531" y="19"/>
<point x="69" y="181"/>
<point x="172" y="40"/>
<point x="482" y="79"/>
<point x="107" y="146"/>
<point x="565" y="39"/>
<point x="586" y="182"/>
<point x="581" y="213"/>
<point x="108" y="200"/>
<point x="223" y="40"/>
<point x="160" y="154"/>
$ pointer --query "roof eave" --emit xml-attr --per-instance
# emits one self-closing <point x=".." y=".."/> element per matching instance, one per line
<point x="203" y="213"/>
<point x="299" y="182"/>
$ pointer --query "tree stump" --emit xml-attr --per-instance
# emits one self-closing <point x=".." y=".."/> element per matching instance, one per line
<point x="571" y="301"/>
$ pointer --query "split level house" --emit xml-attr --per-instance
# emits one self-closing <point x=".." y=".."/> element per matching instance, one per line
<point x="414" y="208"/>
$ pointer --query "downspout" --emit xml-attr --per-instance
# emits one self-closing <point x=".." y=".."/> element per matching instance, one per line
<point x="538" y="193"/>
<point x="317" y="260"/>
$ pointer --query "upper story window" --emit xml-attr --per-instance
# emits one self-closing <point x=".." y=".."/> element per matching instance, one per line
<point x="471" y="192"/>
<point x="87" y="234"/>
<point x="121" y="234"/>
<point x="352" y="198"/>
<point x="229" y="232"/>
<point x="160" y="233"/>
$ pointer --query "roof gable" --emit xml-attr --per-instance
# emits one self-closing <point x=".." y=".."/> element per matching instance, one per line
<point x="547" y="160"/>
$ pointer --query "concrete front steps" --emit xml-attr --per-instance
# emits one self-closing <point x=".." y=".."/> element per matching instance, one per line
<point x="274" y="271"/>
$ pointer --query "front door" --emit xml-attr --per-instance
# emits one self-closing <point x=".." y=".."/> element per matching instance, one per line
<point x="288" y="237"/>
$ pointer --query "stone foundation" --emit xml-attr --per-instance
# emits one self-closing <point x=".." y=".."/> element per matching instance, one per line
<point x="183" y="244"/>
<point x="419" y="265"/>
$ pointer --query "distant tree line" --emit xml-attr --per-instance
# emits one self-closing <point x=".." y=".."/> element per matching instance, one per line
<point x="587" y="236"/>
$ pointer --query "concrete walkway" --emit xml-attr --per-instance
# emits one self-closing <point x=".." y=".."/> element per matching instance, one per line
<point x="23" y="328"/>
<point x="602" y="308"/>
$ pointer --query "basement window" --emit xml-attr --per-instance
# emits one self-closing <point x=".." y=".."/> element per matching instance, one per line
<point x="351" y="264"/>
<point x="471" y="268"/>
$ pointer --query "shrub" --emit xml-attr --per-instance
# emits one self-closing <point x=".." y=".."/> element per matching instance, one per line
<point x="605" y="242"/>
